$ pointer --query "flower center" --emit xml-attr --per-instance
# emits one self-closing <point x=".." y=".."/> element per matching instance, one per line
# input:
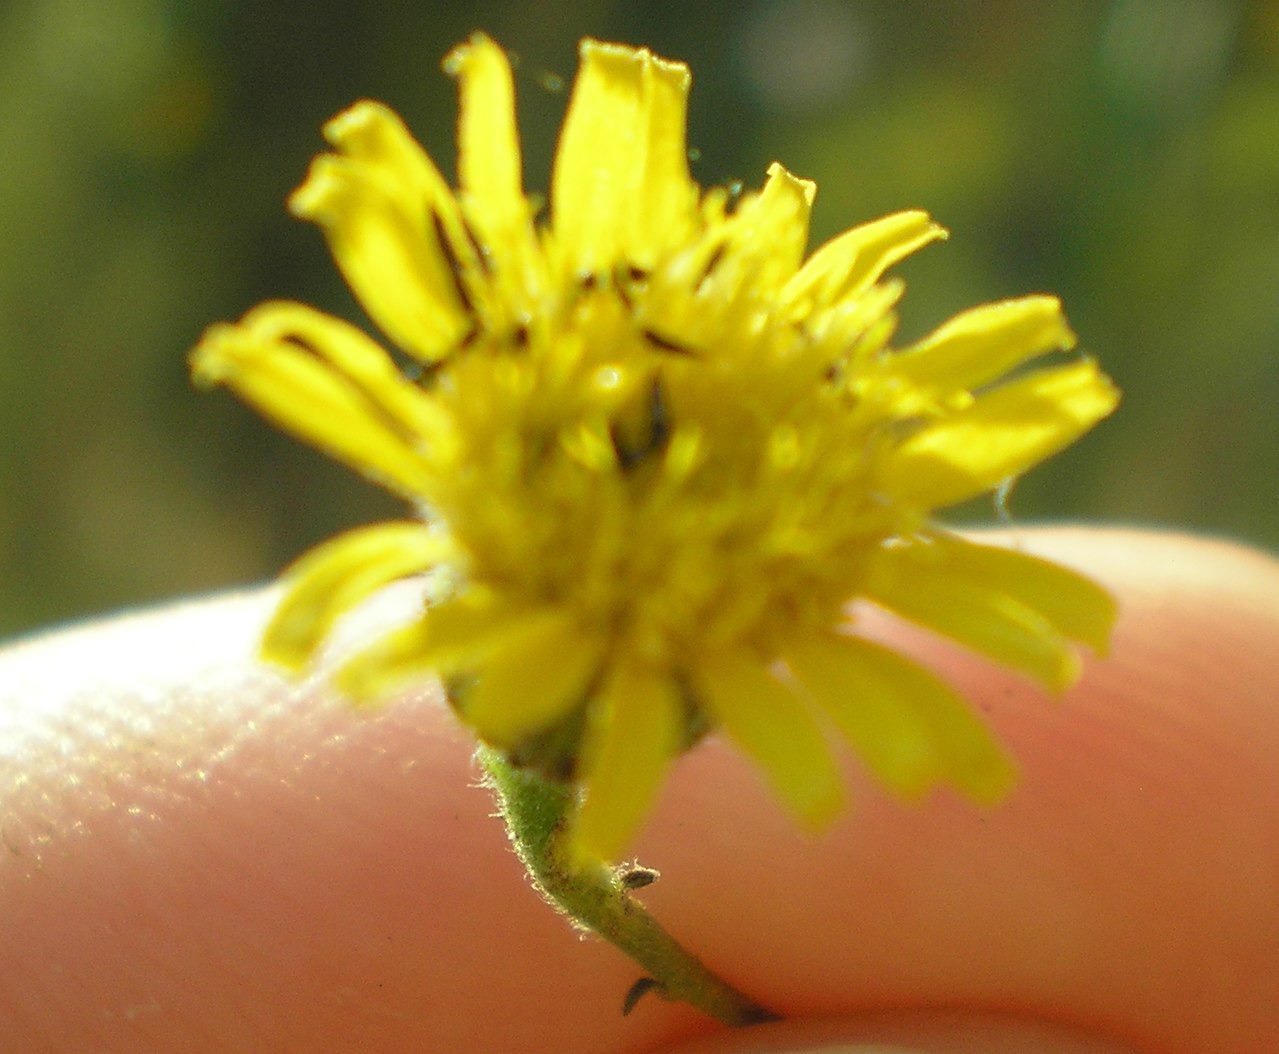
<point x="676" y="490"/>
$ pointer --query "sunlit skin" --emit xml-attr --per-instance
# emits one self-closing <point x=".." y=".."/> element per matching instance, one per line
<point x="199" y="855"/>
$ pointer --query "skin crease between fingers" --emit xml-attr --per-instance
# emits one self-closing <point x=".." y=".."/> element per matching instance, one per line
<point x="200" y="856"/>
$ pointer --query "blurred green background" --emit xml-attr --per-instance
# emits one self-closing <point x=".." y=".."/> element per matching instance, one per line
<point x="1124" y="154"/>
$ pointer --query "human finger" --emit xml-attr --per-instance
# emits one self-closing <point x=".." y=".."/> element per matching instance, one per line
<point x="201" y="856"/>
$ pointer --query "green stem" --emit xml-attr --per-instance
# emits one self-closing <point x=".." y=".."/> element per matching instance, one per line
<point x="594" y="896"/>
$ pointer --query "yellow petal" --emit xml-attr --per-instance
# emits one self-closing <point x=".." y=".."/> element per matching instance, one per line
<point x="374" y="137"/>
<point x="770" y="229"/>
<point x="984" y="343"/>
<point x="394" y="661"/>
<point x="999" y="436"/>
<point x="666" y="196"/>
<point x="887" y="730"/>
<point x="599" y="152"/>
<point x="911" y="729"/>
<point x="334" y="577"/>
<point x="326" y="387"/>
<point x="491" y="186"/>
<point x="536" y="677"/>
<point x="858" y="327"/>
<point x="977" y="614"/>
<point x="1076" y="606"/>
<point x="620" y="188"/>
<point x="774" y="727"/>
<point x="454" y="636"/>
<point x="488" y="146"/>
<point x="383" y="206"/>
<point x="362" y="362"/>
<point x="850" y="263"/>
<point x="633" y="733"/>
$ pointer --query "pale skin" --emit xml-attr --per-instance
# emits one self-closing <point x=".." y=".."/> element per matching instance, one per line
<point x="199" y="855"/>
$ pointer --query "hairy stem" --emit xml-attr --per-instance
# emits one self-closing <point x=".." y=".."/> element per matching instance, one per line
<point x="596" y="897"/>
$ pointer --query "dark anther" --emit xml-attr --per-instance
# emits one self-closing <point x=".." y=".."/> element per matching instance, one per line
<point x="481" y="254"/>
<point x="666" y="344"/>
<point x="627" y="457"/>
<point x="455" y="266"/>
<point x="637" y="991"/>
<point x="300" y="342"/>
<point x="588" y="281"/>
<point x="661" y="425"/>
<point x="426" y="375"/>
<point x="659" y="431"/>
<point x="637" y="877"/>
<point x="626" y="277"/>
<point x="429" y="373"/>
<point x="711" y="264"/>
<point x="468" y="338"/>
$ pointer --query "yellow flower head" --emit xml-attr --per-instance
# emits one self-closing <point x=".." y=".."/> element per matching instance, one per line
<point x="654" y="452"/>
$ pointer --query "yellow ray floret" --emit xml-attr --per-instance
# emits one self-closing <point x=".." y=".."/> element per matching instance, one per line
<point x="635" y="732"/>
<point x="912" y="729"/>
<point x="335" y="577"/>
<point x="620" y="188"/>
<point x="329" y="384"/>
<point x="654" y="453"/>
<point x="769" y="722"/>
<point x="1001" y="435"/>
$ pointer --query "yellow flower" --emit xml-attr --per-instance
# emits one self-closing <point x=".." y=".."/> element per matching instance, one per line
<point x="653" y="453"/>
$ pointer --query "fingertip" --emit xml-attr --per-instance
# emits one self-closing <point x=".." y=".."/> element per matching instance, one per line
<point x="1126" y="886"/>
<point x="906" y="1032"/>
<point x="348" y="864"/>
